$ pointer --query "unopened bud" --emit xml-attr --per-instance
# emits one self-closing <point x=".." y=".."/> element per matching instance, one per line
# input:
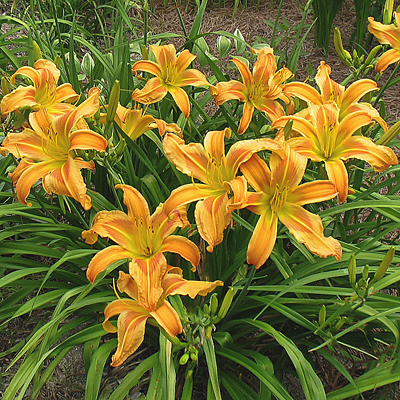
<point x="57" y="61"/>
<point x="4" y="86"/>
<point x="388" y="12"/>
<point x="240" y="46"/>
<point x="342" y="53"/>
<point x="322" y="315"/>
<point x="184" y="359"/>
<point x="352" y="270"/>
<point x="388" y="136"/>
<point x="226" y="303"/>
<point x="208" y="332"/>
<point x="36" y="50"/>
<point x="213" y="304"/>
<point x="224" y="46"/>
<point x="113" y="102"/>
<point x="87" y="64"/>
<point x="385" y="264"/>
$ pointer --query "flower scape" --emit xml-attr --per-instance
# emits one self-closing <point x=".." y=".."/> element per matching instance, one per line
<point x="222" y="205"/>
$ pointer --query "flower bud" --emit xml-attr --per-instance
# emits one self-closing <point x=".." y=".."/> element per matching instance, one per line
<point x="392" y="132"/>
<point x="342" y="53"/>
<point x="226" y="303"/>
<point x="352" y="270"/>
<point x="4" y="86"/>
<point x="113" y="102"/>
<point x="388" y="12"/>
<point x="36" y="50"/>
<point x="224" y="46"/>
<point x="213" y="304"/>
<point x="184" y="359"/>
<point x="385" y="264"/>
<point x="87" y="64"/>
<point x="322" y="315"/>
<point x="240" y="46"/>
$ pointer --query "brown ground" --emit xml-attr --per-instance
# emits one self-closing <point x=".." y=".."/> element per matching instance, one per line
<point x="68" y="381"/>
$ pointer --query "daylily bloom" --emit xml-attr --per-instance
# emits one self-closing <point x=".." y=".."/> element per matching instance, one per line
<point x="345" y="99"/>
<point x="133" y="315"/>
<point x="135" y="124"/>
<point x="387" y="34"/>
<point x="171" y="74"/>
<point x="47" y="151"/>
<point x="142" y="238"/>
<point x="44" y="92"/>
<point x="221" y="191"/>
<point x="259" y="90"/>
<point x="324" y="138"/>
<point x="279" y="196"/>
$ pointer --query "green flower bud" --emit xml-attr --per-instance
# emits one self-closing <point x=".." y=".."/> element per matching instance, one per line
<point x="57" y="61"/>
<point x="352" y="270"/>
<point x="36" y="50"/>
<point x="385" y="264"/>
<point x="240" y="46"/>
<point x="213" y="304"/>
<point x="113" y="102"/>
<point x="4" y="86"/>
<point x="342" y="53"/>
<point x="87" y="64"/>
<point x="388" y="136"/>
<point x="184" y="359"/>
<point x="224" y="46"/>
<point x="226" y="303"/>
<point x="388" y="12"/>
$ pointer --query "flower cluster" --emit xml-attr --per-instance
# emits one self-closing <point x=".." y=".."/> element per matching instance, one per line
<point x="263" y="175"/>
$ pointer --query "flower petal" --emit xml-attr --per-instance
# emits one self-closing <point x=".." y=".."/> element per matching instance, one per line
<point x="104" y="258"/>
<point x="168" y="319"/>
<point x="148" y="274"/>
<point x="330" y="90"/>
<point x="152" y="92"/>
<point x="257" y="173"/>
<point x="232" y="90"/>
<point x="191" y="159"/>
<point x="312" y="192"/>
<point x="181" y="99"/>
<point x="138" y="209"/>
<point x="147" y="66"/>
<point x="21" y="97"/>
<point x="337" y="173"/>
<point x="86" y="139"/>
<point x="248" y="110"/>
<point x="302" y="91"/>
<point x="363" y="148"/>
<point x="307" y="228"/>
<point x="174" y="284"/>
<point x="262" y="241"/>
<point x="67" y="181"/>
<point x="212" y="218"/>
<point x="388" y="57"/>
<point x="131" y="330"/>
<point x="214" y="144"/>
<point x="183" y="246"/>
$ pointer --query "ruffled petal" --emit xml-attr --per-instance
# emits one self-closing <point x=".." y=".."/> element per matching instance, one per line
<point x="148" y="274"/>
<point x="152" y="92"/>
<point x="232" y="90"/>
<point x="191" y="159"/>
<point x="131" y="329"/>
<point x="138" y="209"/>
<point x="388" y="57"/>
<point x="147" y="66"/>
<point x="307" y="228"/>
<point x="174" y="284"/>
<point x="214" y="144"/>
<point x="330" y="90"/>
<point x="363" y="148"/>
<point x="30" y="175"/>
<point x="67" y="180"/>
<point x="212" y="217"/>
<point x="19" y="98"/>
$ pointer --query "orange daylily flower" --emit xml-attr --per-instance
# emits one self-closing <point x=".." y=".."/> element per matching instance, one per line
<point x="221" y="191"/>
<point x="47" y="151"/>
<point x="387" y="34"/>
<point x="43" y="94"/>
<point x="324" y="138"/>
<point x="142" y="238"/>
<point x="171" y="74"/>
<point x="133" y="315"/>
<point x="279" y="196"/>
<point x="345" y="99"/>
<point x="259" y="90"/>
<point x="134" y="123"/>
